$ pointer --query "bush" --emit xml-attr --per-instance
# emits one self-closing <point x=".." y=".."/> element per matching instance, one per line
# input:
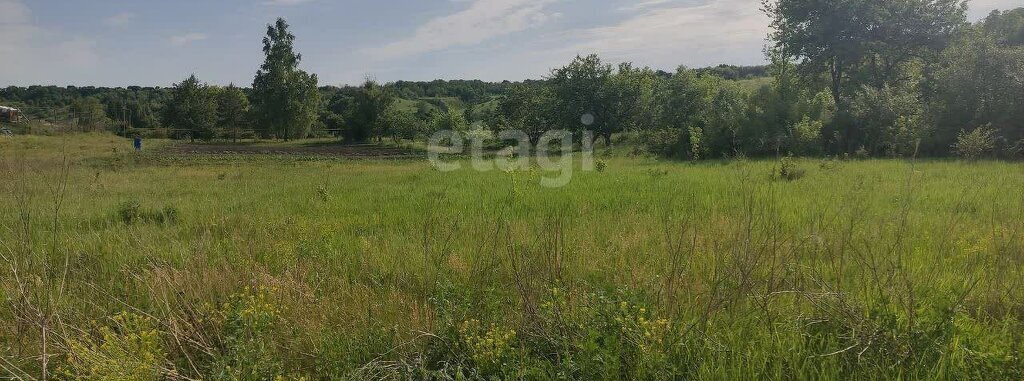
<point x="572" y="334"/>
<point x="695" y="137"/>
<point x="248" y="324"/>
<point x="805" y="137"/>
<point x="976" y="144"/>
<point x="788" y="170"/>
<point x="662" y="142"/>
<point x="129" y="348"/>
<point x="131" y="212"/>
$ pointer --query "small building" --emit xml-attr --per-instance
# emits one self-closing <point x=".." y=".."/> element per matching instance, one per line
<point x="10" y="114"/>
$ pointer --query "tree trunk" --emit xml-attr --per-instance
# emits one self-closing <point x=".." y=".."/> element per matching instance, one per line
<point x="837" y="97"/>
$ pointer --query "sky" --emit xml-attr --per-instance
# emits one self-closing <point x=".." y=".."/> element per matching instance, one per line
<point x="158" y="42"/>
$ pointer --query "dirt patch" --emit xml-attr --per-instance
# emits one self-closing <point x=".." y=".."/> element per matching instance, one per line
<point x="361" y="151"/>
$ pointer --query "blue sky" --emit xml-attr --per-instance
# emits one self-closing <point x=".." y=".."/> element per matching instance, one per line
<point x="156" y="43"/>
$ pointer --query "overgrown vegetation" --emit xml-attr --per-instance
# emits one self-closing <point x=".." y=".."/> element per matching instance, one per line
<point x="876" y="262"/>
<point x="369" y="270"/>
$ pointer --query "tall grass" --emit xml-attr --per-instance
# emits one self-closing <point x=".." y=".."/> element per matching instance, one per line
<point x="388" y="269"/>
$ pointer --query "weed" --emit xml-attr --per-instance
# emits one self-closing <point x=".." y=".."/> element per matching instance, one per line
<point x="132" y="212"/>
<point x="129" y="212"/>
<point x="249" y="346"/>
<point x="129" y="348"/>
<point x="788" y="170"/>
<point x="322" y="193"/>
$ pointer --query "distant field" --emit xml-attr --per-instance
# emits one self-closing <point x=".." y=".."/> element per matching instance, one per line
<point x="649" y="269"/>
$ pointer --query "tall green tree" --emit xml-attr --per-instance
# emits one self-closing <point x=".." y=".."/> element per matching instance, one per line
<point x="578" y="89"/>
<point x="861" y="42"/>
<point x="684" y="100"/>
<point x="402" y="124"/>
<point x="285" y="99"/>
<point x="365" y="117"/>
<point x="628" y="101"/>
<point x="192" y="109"/>
<point x="232" y="109"/>
<point x="980" y="81"/>
<point x="528" y="107"/>
<point x="1005" y="27"/>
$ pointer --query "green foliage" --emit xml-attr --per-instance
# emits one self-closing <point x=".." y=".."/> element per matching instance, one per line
<point x="89" y="113"/>
<point x="754" y="278"/>
<point x="128" y="348"/>
<point x="450" y="120"/>
<point x="528" y="108"/>
<point x="667" y="142"/>
<point x="131" y="212"/>
<point x="788" y="170"/>
<point x="192" y="109"/>
<point x="805" y="137"/>
<point x="248" y="322"/>
<point x="232" y="110"/>
<point x="285" y="99"/>
<point x="735" y="73"/>
<point x="627" y="102"/>
<point x="727" y="120"/>
<point x="976" y="143"/>
<point x="695" y="139"/>
<point x="850" y="42"/>
<point x="978" y="83"/>
<point x="890" y="119"/>
<point x="1005" y="27"/>
<point x="366" y="117"/>
<point x="491" y="348"/>
<point x="685" y="99"/>
<point x="402" y="124"/>
<point x="577" y="89"/>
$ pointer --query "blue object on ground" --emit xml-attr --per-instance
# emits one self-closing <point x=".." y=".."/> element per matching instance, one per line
<point x="138" y="144"/>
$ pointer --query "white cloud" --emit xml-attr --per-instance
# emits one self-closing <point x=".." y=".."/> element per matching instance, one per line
<point x="481" y="21"/>
<point x="717" y="31"/>
<point x="978" y="9"/>
<point x="34" y="55"/>
<point x="185" y="39"/>
<point x="285" y="2"/>
<point x="120" y="19"/>
<point x="645" y="4"/>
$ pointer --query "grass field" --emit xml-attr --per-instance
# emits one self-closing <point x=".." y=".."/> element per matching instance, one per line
<point x="235" y="267"/>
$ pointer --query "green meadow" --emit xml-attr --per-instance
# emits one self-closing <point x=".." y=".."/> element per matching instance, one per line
<point x="226" y="267"/>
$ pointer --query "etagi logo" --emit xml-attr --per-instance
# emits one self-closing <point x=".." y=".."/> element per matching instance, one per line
<point x="554" y="152"/>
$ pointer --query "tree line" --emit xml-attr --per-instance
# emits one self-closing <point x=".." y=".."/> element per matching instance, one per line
<point x="857" y="77"/>
<point x="860" y="77"/>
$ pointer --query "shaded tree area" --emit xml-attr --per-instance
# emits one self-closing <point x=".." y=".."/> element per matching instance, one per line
<point x="733" y="73"/>
<point x="136" y="106"/>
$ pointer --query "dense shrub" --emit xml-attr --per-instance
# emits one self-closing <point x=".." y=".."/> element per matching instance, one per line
<point x="663" y="142"/>
<point x="248" y="348"/>
<point x="805" y="137"/>
<point x="128" y="348"/>
<point x="975" y="144"/>
<point x="788" y="170"/>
